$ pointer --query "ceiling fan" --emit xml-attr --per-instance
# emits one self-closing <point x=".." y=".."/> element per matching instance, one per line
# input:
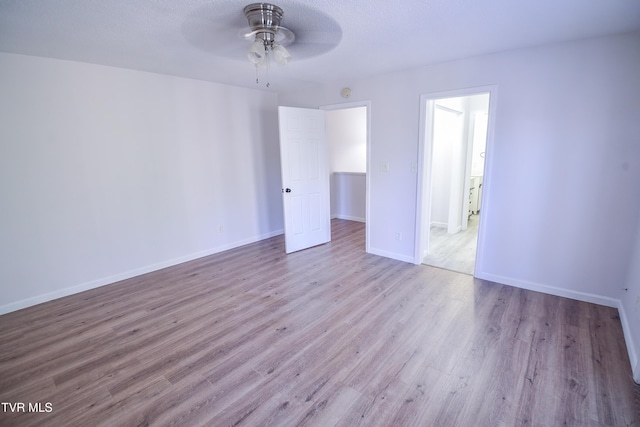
<point x="268" y="36"/>
<point x="289" y="31"/>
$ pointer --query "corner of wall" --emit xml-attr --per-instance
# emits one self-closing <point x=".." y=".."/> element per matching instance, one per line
<point x="632" y="347"/>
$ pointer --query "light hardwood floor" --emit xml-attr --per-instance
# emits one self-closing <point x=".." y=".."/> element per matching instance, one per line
<point x="455" y="252"/>
<point x="326" y="336"/>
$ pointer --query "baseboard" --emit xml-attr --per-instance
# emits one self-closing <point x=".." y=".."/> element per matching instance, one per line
<point x="348" y="218"/>
<point x="632" y="349"/>
<point x="551" y="290"/>
<point x="392" y="255"/>
<point x="60" y="293"/>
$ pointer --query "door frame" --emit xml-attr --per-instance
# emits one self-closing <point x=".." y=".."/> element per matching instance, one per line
<point x="345" y="106"/>
<point x="425" y="159"/>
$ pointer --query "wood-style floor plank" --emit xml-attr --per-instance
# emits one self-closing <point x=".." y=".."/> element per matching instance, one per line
<point x="326" y="336"/>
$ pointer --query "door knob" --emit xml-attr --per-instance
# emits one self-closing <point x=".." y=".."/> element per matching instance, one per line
<point x="286" y="190"/>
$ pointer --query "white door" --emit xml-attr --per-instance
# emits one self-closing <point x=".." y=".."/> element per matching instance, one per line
<point x="305" y="178"/>
<point x="447" y="168"/>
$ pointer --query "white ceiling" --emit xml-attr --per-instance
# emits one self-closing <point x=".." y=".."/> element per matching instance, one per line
<point x="199" y="38"/>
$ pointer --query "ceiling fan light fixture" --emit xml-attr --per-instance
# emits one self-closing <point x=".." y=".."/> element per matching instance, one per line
<point x="264" y="21"/>
<point x="257" y="53"/>
<point x="281" y="54"/>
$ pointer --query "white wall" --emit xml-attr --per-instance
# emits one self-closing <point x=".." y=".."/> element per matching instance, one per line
<point x="448" y="132"/>
<point x="347" y="137"/>
<point x="106" y="173"/>
<point x="561" y="206"/>
<point x="564" y="160"/>
<point x="348" y="196"/>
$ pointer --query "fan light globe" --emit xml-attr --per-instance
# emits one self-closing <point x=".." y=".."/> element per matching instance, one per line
<point x="281" y="55"/>
<point x="257" y="53"/>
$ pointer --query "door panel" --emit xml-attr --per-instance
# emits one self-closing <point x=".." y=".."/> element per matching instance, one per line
<point x="303" y="151"/>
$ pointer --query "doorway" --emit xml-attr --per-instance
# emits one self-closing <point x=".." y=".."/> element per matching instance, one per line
<point x="452" y="178"/>
<point x="348" y="136"/>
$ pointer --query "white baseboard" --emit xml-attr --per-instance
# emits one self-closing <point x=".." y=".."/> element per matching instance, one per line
<point x="392" y="255"/>
<point x="552" y="290"/>
<point x="632" y="348"/>
<point x="347" y="217"/>
<point x="38" y="299"/>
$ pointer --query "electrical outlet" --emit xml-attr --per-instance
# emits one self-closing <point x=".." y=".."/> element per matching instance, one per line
<point x="398" y="235"/>
<point x="220" y="229"/>
<point x="384" y="166"/>
<point x="638" y="303"/>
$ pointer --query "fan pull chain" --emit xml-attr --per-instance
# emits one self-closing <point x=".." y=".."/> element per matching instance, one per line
<point x="266" y="53"/>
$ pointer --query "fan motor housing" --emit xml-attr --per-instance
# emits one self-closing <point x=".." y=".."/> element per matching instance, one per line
<point x="264" y="19"/>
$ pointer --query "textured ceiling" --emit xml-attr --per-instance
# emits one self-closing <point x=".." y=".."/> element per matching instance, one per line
<point x="338" y="39"/>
